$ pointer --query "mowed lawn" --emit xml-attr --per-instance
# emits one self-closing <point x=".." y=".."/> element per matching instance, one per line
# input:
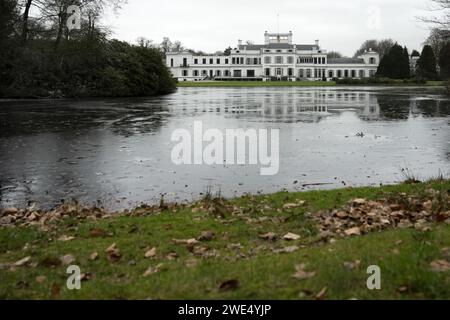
<point x="234" y="263"/>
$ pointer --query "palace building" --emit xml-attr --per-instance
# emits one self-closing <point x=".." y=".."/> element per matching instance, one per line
<point x="277" y="59"/>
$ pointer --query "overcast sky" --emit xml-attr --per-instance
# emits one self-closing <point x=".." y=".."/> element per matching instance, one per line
<point x="208" y="25"/>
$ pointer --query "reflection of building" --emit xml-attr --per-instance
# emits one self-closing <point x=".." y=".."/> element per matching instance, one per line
<point x="277" y="59"/>
<point x="296" y="105"/>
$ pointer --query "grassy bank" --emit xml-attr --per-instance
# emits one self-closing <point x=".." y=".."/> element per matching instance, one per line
<point x="265" y="247"/>
<point x="285" y="84"/>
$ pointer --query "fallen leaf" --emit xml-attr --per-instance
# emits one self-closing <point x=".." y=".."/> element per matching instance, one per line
<point x="22" y="262"/>
<point x="67" y="259"/>
<point x="172" y="256"/>
<point x="353" y="232"/>
<point x="150" y="253"/>
<point x="206" y="236"/>
<point x="65" y="238"/>
<point x="301" y="274"/>
<point x="290" y="249"/>
<point x="93" y="256"/>
<point x="440" y="266"/>
<point x="153" y="270"/>
<point x="188" y="241"/>
<point x="229" y="285"/>
<point x="291" y="237"/>
<point x="322" y="293"/>
<point x="269" y="236"/>
<point x="97" y="233"/>
<point x="111" y="248"/>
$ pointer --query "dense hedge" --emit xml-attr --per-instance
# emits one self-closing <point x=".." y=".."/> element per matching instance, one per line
<point x="83" y="69"/>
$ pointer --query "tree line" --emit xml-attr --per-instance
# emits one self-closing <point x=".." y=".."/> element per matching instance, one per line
<point x="40" y="56"/>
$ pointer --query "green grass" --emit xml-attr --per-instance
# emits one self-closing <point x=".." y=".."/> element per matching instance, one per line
<point x="262" y="274"/>
<point x="221" y="84"/>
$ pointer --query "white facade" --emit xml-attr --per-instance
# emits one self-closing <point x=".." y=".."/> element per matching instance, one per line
<point x="277" y="59"/>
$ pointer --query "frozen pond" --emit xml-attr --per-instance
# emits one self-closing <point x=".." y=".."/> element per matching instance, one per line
<point x="118" y="152"/>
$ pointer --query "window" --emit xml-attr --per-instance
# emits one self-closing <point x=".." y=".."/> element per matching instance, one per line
<point x="226" y="61"/>
<point x="267" y="60"/>
<point x="308" y="73"/>
<point x="353" y="73"/>
<point x="372" y="73"/>
<point x="218" y="61"/>
<point x="267" y="50"/>
<point x="204" y="61"/>
<point x="218" y="73"/>
<point x="372" y="61"/>
<point x="279" y="72"/>
<point x="184" y="62"/>
<point x="233" y="60"/>
<point x="301" y="73"/>
<point x="267" y="72"/>
<point x="226" y="73"/>
<point x="339" y="73"/>
<point x="247" y="61"/>
<point x="211" y="61"/>
<point x="278" y="59"/>
<point x="255" y="60"/>
<point x="323" y="60"/>
<point x="345" y="73"/>
<point x="361" y="73"/>
<point x="237" y="73"/>
<point x="330" y="74"/>
<point x="195" y="73"/>
<point x="242" y="60"/>
<point x="195" y="61"/>
<point x="315" y="60"/>
<point x="171" y="62"/>
<point x="204" y="73"/>
<point x="290" y="72"/>
<point x="250" y="73"/>
<point x="185" y="73"/>
<point x="279" y="51"/>
<point x="290" y="60"/>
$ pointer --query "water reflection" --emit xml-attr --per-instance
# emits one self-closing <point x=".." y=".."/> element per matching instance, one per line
<point x="118" y="151"/>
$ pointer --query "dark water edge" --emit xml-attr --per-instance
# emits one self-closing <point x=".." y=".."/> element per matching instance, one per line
<point x="117" y="151"/>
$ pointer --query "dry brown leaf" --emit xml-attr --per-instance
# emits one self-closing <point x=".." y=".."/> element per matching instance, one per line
<point x="290" y="249"/>
<point x="153" y="270"/>
<point x="269" y="236"/>
<point x="93" y="256"/>
<point x="440" y="266"/>
<point x="111" y="248"/>
<point x="322" y="293"/>
<point x="65" y="238"/>
<point x="22" y="262"/>
<point x="190" y="242"/>
<point x="353" y="232"/>
<point x="206" y="236"/>
<point x="229" y="285"/>
<point x="301" y="274"/>
<point x="67" y="259"/>
<point x="291" y="237"/>
<point x="150" y="253"/>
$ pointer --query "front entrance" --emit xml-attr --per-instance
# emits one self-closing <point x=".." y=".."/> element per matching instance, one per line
<point x="279" y="72"/>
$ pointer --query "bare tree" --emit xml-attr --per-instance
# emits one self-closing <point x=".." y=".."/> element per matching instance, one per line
<point x="441" y="20"/>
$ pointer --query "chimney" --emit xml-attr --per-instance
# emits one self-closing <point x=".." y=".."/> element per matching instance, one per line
<point x="240" y="42"/>
<point x="317" y="42"/>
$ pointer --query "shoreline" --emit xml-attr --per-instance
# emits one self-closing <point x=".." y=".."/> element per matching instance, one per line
<point x="305" y="84"/>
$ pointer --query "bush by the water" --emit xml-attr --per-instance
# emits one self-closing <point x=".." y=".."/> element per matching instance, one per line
<point x="84" y="69"/>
